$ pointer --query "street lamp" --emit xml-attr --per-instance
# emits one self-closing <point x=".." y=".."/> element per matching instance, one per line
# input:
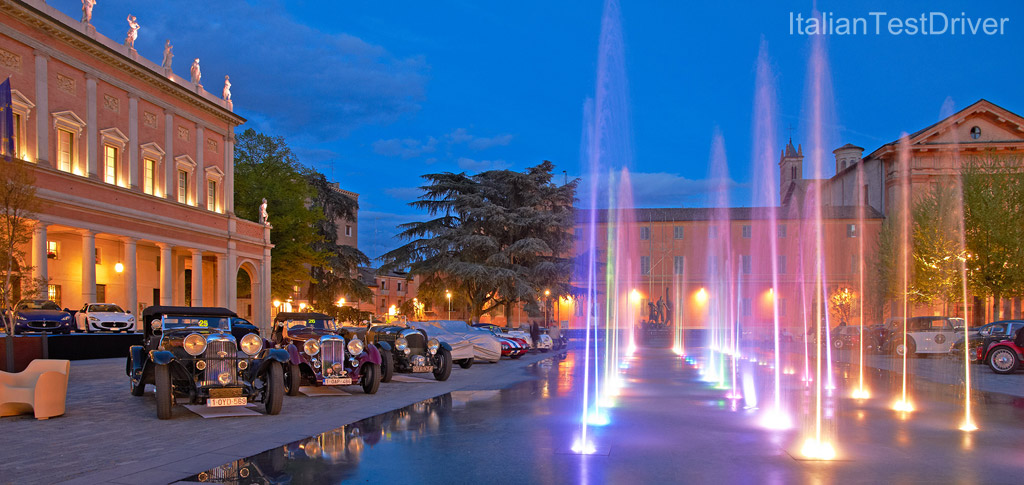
<point x="547" y="307"/>
<point x="448" y="295"/>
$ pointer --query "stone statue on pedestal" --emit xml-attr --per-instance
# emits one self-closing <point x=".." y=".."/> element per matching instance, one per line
<point x="197" y="75"/>
<point x="264" y="219"/>
<point x="133" y="32"/>
<point x="168" y="55"/>
<point x="87" y="6"/>
<point x="227" y="89"/>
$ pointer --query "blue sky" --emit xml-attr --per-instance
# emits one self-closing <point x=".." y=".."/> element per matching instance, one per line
<point x="375" y="93"/>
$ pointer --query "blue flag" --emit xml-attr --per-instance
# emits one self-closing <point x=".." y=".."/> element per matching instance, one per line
<point x="6" y="122"/>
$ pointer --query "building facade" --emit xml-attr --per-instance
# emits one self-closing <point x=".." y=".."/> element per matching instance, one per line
<point x="134" y="167"/>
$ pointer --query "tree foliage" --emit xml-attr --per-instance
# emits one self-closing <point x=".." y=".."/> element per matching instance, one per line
<point x="266" y="168"/>
<point x="886" y="260"/>
<point x="18" y="205"/>
<point x="937" y="246"/>
<point x="496" y="238"/>
<point x="993" y="191"/>
<point x="842" y="303"/>
<point x="338" y="274"/>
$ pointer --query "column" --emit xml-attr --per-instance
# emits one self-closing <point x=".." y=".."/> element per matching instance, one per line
<point x="229" y="174"/>
<point x="39" y="271"/>
<point x="133" y="141"/>
<point x="232" y="282"/>
<point x="197" y="277"/>
<point x="91" y="128"/>
<point x="166" y="275"/>
<point x="200" y="169"/>
<point x="88" y="266"/>
<point x="264" y="296"/>
<point x="222" y="280"/>
<point x="43" y="113"/>
<point x="170" y="177"/>
<point x="131" y="282"/>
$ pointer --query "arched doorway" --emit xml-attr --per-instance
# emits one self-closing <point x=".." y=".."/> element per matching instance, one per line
<point x="245" y="290"/>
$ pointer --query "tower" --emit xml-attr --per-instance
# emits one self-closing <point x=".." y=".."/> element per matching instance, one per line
<point x="791" y="167"/>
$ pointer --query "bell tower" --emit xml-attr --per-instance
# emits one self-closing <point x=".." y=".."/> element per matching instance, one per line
<point x="791" y="167"/>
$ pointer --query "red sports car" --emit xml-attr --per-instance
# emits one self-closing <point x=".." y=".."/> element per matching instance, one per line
<point x="511" y="347"/>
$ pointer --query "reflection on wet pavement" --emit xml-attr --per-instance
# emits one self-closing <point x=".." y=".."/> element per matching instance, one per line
<point x="666" y="426"/>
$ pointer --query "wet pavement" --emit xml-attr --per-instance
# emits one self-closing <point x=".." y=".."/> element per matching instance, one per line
<point x="667" y="426"/>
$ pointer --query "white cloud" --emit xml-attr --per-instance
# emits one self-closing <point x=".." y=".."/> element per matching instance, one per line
<point x="407" y="194"/>
<point x="477" y="143"/>
<point x="407" y="148"/>
<point x="470" y="165"/>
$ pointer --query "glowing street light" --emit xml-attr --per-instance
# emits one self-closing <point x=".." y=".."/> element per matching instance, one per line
<point x="341" y="302"/>
<point x="702" y="296"/>
<point x="119" y="268"/>
<point x="448" y="295"/>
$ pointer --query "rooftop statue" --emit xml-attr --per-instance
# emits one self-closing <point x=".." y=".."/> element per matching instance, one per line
<point x="133" y="32"/>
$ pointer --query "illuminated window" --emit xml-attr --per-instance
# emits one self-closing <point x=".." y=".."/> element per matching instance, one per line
<point x="53" y="293"/>
<point x="182" y="186"/>
<point x="746" y="231"/>
<point x="677" y="232"/>
<point x="645" y="233"/>
<point x="18" y="149"/>
<point x="110" y="164"/>
<point x="211" y="195"/>
<point x="149" y="176"/>
<point x="52" y="250"/>
<point x="65" y="150"/>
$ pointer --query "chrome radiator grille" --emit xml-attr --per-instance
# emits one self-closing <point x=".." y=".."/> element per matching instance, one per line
<point x="416" y="341"/>
<point x="332" y="351"/>
<point x="221" y="356"/>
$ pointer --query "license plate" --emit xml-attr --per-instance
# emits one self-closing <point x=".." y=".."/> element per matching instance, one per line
<point x="422" y="368"/>
<point x="215" y="402"/>
<point x="337" y="381"/>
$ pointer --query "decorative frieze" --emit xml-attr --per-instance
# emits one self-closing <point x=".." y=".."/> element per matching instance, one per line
<point x="66" y="84"/>
<point x="211" y="144"/>
<point x="111" y="103"/>
<point x="149" y="119"/>
<point x="10" y="60"/>
<point x="183" y="133"/>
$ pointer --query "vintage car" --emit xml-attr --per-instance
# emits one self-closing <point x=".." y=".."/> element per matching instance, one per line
<point x="326" y="358"/>
<point x="468" y="343"/>
<point x="413" y="350"/>
<point x="986" y="335"/>
<point x="103" y="317"/>
<point x="1004" y="356"/>
<point x="925" y="335"/>
<point x="190" y="352"/>
<point x="39" y="316"/>
<point x="511" y="347"/>
<point x="846" y="337"/>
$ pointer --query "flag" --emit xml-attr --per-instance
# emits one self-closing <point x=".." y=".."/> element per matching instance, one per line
<point x="6" y="121"/>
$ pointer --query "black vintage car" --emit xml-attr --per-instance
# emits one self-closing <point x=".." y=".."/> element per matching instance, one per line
<point x="319" y="355"/>
<point x="413" y="351"/>
<point x="191" y="352"/>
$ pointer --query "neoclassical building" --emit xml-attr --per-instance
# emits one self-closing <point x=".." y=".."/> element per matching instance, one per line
<point x="134" y="167"/>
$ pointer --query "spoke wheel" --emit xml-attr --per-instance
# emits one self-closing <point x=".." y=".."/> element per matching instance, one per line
<point x="1003" y="361"/>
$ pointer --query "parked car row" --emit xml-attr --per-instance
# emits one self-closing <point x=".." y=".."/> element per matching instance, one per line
<point x="210" y="356"/>
<point x="38" y="315"/>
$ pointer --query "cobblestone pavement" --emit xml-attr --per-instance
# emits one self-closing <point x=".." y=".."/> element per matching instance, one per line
<point x="108" y="436"/>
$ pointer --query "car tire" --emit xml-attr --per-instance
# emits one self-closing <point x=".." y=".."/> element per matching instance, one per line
<point x="443" y="366"/>
<point x="466" y="363"/>
<point x="371" y="378"/>
<point x="1003" y="360"/>
<point x="275" y="388"/>
<point x="387" y="365"/>
<point x="293" y="379"/>
<point x="910" y="348"/>
<point x="164" y="393"/>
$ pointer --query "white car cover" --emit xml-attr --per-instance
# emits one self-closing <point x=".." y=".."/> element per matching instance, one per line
<point x="466" y="341"/>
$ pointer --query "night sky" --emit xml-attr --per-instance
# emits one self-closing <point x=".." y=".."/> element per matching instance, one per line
<point x="375" y="93"/>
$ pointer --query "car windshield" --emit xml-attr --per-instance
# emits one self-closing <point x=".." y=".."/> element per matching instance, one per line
<point x="38" y="305"/>
<point x="106" y="307"/>
<point x="181" y="321"/>
<point x="311" y="323"/>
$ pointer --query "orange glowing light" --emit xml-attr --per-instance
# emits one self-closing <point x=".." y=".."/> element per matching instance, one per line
<point x="702" y="296"/>
<point x="903" y="406"/>
<point x="634" y="296"/>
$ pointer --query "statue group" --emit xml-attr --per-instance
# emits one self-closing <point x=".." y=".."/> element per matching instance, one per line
<point x="659" y="312"/>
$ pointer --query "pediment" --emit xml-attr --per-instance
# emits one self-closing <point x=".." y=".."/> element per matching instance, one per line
<point x="981" y="122"/>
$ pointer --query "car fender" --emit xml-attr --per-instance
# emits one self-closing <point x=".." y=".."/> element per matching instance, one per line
<point x="293" y="354"/>
<point x="135" y="358"/>
<point x="161" y="357"/>
<point x="370" y="354"/>
<point x="446" y="346"/>
<point x="384" y="345"/>
<point x="280" y="355"/>
<point x="266" y="363"/>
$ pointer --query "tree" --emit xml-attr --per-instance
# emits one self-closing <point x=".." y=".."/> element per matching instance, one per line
<point x="339" y="273"/>
<point x="842" y="303"/>
<point x="266" y="168"/>
<point x="993" y="191"/>
<point x="886" y="261"/>
<point x="499" y="237"/>
<point x="938" y="249"/>
<point x="18" y="205"/>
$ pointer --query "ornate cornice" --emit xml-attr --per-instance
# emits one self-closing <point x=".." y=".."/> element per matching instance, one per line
<point x="36" y="19"/>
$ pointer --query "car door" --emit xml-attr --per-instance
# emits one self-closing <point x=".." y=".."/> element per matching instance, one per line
<point x="940" y="335"/>
<point x="81" y="319"/>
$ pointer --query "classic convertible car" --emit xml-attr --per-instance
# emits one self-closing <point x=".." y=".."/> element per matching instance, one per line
<point x="103" y="317"/>
<point x="1005" y="356"/>
<point x="511" y="347"/>
<point x="414" y="351"/>
<point x="39" y="316"/>
<point x="190" y="352"/>
<point x="325" y="358"/>
<point x="467" y="343"/>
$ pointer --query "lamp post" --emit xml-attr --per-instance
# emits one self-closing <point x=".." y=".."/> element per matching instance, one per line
<point x="547" y="307"/>
<point x="448" y="295"/>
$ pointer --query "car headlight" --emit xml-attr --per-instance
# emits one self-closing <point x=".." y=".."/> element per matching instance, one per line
<point x="432" y="345"/>
<point x="22" y="318"/>
<point x="194" y="344"/>
<point x="311" y="347"/>
<point x="401" y="343"/>
<point x="65" y="318"/>
<point x="131" y="319"/>
<point x="94" y="319"/>
<point x="355" y="346"/>
<point x="251" y="344"/>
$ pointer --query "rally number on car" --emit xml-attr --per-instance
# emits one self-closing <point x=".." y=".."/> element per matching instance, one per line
<point x="204" y="323"/>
